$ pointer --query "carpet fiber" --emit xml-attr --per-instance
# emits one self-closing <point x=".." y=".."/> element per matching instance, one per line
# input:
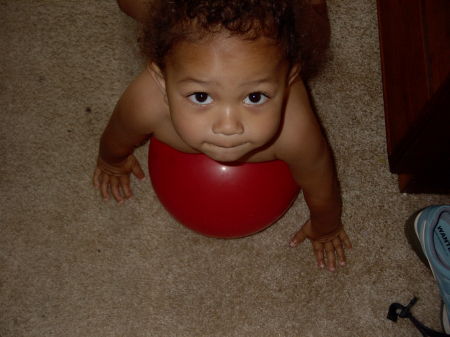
<point x="73" y="265"/>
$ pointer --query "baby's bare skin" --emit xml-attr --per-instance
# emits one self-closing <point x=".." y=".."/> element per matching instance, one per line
<point x="251" y="107"/>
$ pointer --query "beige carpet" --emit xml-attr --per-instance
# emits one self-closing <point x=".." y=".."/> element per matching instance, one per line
<point x="73" y="265"/>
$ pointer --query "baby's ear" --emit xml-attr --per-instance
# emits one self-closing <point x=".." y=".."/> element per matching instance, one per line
<point x="294" y="72"/>
<point x="157" y="74"/>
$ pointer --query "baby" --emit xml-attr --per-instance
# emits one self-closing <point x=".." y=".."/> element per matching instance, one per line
<point x="223" y="80"/>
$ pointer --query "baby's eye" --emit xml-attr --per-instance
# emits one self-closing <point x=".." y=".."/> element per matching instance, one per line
<point x="200" y="98"/>
<point x="256" y="98"/>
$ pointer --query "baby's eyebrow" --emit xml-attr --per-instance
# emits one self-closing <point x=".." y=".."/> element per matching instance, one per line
<point x="250" y="83"/>
<point x="259" y="81"/>
<point x="196" y="80"/>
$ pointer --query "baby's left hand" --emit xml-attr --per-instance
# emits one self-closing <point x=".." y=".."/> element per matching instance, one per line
<point x="331" y="245"/>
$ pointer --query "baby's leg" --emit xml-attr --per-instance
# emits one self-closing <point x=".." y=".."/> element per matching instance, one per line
<point x="137" y="9"/>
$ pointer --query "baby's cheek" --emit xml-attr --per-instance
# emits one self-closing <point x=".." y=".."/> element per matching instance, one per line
<point x="189" y="129"/>
<point x="267" y="129"/>
<point x="261" y="137"/>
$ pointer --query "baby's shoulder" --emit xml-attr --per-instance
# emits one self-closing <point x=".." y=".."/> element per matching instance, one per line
<point x="142" y="104"/>
<point x="300" y="129"/>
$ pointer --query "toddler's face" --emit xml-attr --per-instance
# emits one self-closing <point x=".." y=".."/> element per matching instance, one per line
<point x="226" y="94"/>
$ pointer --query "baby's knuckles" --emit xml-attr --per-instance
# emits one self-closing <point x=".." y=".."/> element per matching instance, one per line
<point x="312" y="233"/>
<point x="121" y="168"/>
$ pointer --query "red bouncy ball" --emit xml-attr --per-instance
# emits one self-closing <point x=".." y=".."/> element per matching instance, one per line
<point x="217" y="199"/>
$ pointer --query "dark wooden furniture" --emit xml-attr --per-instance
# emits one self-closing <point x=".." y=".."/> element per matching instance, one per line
<point x="415" y="58"/>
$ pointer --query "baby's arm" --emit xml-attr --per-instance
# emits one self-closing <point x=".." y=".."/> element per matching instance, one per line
<point x="130" y="125"/>
<point x="306" y="151"/>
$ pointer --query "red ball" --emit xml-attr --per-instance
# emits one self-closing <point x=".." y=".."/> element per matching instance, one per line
<point x="216" y="199"/>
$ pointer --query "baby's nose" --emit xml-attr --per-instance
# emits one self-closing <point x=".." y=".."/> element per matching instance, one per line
<point x="228" y="123"/>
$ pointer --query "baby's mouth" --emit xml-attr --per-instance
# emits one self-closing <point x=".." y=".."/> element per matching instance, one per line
<point x="226" y="153"/>
<point x="226" y="146"/>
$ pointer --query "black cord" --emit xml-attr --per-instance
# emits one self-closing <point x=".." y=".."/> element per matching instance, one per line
<point x="397" y="310"/>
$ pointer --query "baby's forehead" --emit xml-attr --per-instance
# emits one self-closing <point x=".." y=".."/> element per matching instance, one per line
<point x="227" y="43"/>
<point x="226" y="48"/>
<point x="226" y="58"/>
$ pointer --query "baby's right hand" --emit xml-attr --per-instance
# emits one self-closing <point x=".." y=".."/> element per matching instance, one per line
<point x="115" y="179"/>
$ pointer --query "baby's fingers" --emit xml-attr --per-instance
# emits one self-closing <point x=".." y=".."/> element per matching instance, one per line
<point x="298" y="238"/>
<point x="337" y="243"/>
<point x="137" y="170"/>
<point x="331" y="256"/>
<point x="318" y="249"/>
<point x="96" y="178"/>
<point x="104" y="186"/>
<point x="120" y="188"/>
<point x="115" y="189"/>
<point x="345" y="239"/>
<point x="125" y="185"/>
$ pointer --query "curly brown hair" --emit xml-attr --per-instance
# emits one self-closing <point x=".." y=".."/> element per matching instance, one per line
<point x="287" y="22"/>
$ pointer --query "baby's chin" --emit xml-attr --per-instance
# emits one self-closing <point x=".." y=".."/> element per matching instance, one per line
<point x="226" y="155"/>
